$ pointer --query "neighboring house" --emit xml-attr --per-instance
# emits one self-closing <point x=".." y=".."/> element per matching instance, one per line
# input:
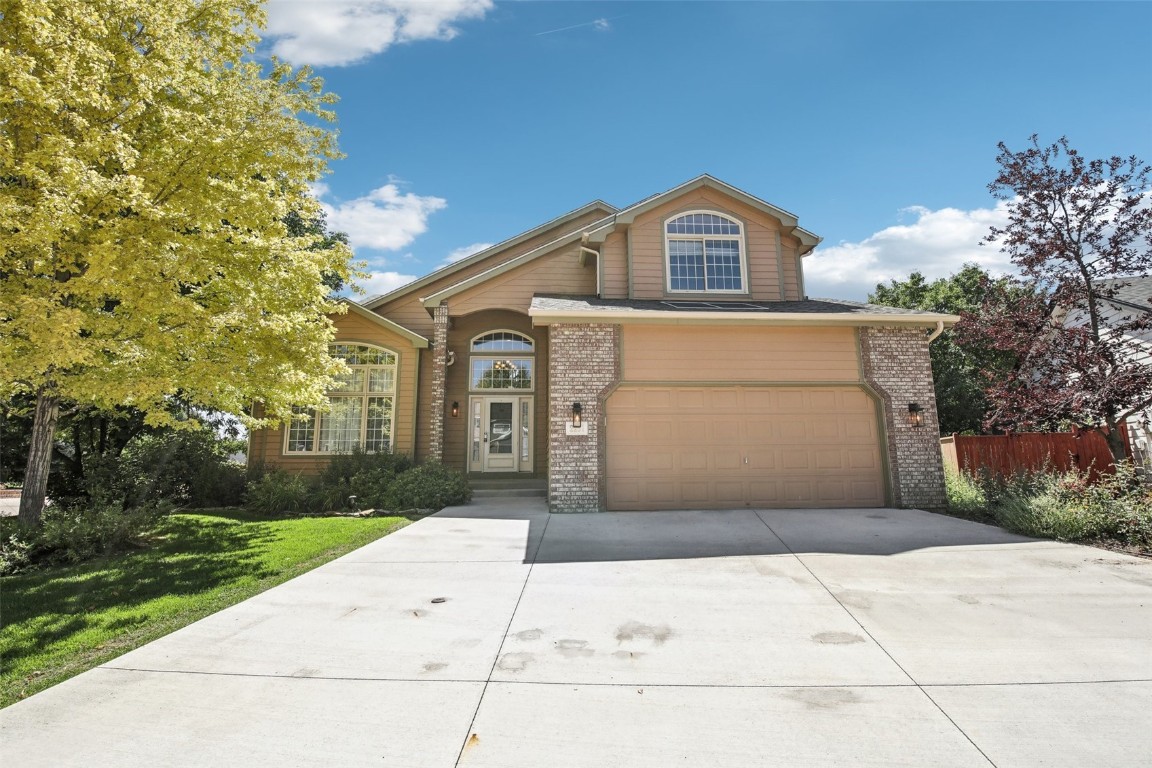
<point x="659" y="356"/>
<point x="1133" y="298"/>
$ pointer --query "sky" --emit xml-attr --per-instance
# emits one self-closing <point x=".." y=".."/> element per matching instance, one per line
<point x="466" y="122"/>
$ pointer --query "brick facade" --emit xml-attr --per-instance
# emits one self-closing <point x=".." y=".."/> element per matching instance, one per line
<point x="583" y="368"/>
<point x="897" y="366"/>
<point x="439" y="383"/>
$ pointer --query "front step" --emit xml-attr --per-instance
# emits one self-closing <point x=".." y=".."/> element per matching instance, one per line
<point x="489" y="486"/>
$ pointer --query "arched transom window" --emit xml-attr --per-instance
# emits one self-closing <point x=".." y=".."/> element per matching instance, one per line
<point x="502" y="360"/>
<point x="705" y="253"/>
<point x="361" y="406"/>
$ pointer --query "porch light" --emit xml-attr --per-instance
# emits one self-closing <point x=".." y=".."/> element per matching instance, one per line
<point x="455" y="408"/>
<point x="915" y="415"/>
<point x="577" y="412"/>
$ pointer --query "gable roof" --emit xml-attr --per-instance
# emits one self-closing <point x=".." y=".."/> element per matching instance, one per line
<point x="448" y="269"/>
<point x="417" y="340"/>
<point x="808" y="240"/>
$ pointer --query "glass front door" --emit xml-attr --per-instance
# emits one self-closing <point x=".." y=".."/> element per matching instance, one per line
<point x="500" y="434"/>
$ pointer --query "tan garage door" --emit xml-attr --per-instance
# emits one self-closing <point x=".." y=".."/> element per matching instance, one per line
<point x="731" y="447"/>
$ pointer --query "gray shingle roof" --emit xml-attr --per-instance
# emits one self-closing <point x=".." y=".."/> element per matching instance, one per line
<point x="563" y="303"/>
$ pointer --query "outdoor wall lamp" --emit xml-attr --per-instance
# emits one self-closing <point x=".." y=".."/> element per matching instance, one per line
<point x="915" y="415"/>
<point x="577" y="414"/>
<point x="455" y="408"/>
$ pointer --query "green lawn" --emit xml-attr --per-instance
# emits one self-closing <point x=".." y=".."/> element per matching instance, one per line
<point x="61" y="621"/>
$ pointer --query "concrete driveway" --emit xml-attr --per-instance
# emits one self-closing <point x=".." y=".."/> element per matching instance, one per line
<point x="744" y="638"/>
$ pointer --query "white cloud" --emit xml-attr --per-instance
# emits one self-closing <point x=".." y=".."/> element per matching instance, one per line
<point x="936" y="244"/>
<point x="379" y="283"/>
<point x="462" y="253"/>
<point x="385" y="219"/>
<point x="341" y="32"/>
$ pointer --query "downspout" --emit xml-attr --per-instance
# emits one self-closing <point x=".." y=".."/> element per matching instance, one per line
<point x="585" y="249"/>
<point x="936" y="333"/>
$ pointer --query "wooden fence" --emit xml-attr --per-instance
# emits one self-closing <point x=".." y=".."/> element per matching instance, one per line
<point x="1004" y="455"/>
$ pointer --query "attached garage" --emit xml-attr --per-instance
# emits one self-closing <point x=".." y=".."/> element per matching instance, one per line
<point x="723" y="447"/>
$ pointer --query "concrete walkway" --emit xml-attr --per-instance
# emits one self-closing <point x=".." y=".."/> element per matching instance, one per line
<point x="744" y="638"/>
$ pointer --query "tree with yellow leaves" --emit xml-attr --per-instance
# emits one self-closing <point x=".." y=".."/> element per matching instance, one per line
<point x="148" y="164"/>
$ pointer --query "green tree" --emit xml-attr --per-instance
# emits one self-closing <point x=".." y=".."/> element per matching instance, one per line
<point x="960" y="368"/>
<point x="148" y="166"/>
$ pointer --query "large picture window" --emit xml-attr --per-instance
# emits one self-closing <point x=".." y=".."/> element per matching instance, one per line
<point x="360" y="406"/>
<point x="705" y="253"/>
<point x="492" y="368"/>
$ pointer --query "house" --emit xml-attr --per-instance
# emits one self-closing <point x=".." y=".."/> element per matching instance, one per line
<point x="658" y="356"/>
<point x="1128" y="299"/>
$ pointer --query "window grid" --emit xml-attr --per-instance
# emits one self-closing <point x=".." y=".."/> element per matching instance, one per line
<point x="360" y="406"/>
<point x="502" y="341"/>
<point x="701" y="261"/>
<point x="494" y="373"/>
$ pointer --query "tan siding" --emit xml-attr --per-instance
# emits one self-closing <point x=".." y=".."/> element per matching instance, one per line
<point x="463" y="330"/>
<point x="410" y="313"/>
<point x="267" y="445"/>
<point x="556" y="273"/>
<point x="647" y="234"/>
<point x="687" y="353"/>
<point x="614" y="253"/>
<point x="791" y="278"/>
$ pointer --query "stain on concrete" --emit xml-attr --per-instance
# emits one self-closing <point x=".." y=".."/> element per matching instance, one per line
<point x="459" y="530"/>
<point x="764" y="568"/>
<point x="837" y="638"/>
<point x="515" y="662"/>
<point x="877" y="517"/>
<point x="528" y="634"/>
<point x="823" y="698"/>
<point x="306" y="672"/>
<point x="854" y="599"/>
<point x="418" y="613"/>
<point x="970" y="599"/>
<point x="349" y="612"/>
<point x="466" y="642"/>
<point x="629" y="655"/>
<point x="434" y="666"/>
<point x="635" y="630"/>
<point x="574" y="649"/>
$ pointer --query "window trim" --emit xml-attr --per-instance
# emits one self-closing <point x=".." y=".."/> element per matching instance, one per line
<point x="511" y="356"/>
<point x="364" y="396"/>
<point x="745" y="288"/>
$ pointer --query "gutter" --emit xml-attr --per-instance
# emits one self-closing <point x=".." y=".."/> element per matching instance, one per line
<point x="936" y="333"/>
<point x="548" y="317"/>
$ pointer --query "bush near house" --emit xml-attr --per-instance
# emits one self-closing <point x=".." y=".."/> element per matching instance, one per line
<point x="357" y="481"/>
<point x="1066" y="506"/>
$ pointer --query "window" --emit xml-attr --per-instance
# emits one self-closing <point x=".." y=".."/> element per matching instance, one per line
<point x="492" y="370"/>
<point x="705" y="253"/>
<point x="360" y="412"/>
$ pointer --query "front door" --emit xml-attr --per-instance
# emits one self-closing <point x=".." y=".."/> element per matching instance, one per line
<point x="501" y="435"/>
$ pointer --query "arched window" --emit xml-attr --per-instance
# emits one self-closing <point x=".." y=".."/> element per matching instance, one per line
<point x="705" y="253"/>
<point x="492" y="367"/>
<point x="360" y="406"/>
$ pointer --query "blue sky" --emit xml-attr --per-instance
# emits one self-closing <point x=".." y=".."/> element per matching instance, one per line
<point x="466" y="122"/>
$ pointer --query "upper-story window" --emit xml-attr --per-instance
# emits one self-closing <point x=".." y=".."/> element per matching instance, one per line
<point x="360" y="406"/>
<point x="705" y="253"/>
<point x="492" y="365"/>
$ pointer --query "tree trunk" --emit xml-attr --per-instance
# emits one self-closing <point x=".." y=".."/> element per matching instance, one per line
<point x="1115" y="438"/>
<point x="39" y="458"/>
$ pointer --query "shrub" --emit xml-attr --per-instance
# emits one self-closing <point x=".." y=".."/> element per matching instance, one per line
<point x="965" y="493"/>
<point x="279" y="493"/>
<point x="16" y="553"/>
<point x="81" y="533"/>
<point x="218" y="485"/>
<point x="428" y="486"/>
<point x="367" y="476"/>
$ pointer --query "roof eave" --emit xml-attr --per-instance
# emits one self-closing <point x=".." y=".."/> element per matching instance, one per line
<point x="416" y="339"/>
<point x="481" y="255"/>
<point x="659" y="317"/>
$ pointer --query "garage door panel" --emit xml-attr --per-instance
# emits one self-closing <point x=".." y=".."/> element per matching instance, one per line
<point x="723" y="447"/>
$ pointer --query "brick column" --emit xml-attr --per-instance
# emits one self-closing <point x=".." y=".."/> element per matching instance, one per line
<point x="583" y="367"/>
<point x="439" y="383"/>
<point x="896" y="364"/>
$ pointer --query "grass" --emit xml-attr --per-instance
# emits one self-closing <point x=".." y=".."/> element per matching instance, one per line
<point x="61" y="621"/>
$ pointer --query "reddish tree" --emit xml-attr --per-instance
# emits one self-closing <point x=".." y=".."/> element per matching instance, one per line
<point x="1076" y="229"/>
